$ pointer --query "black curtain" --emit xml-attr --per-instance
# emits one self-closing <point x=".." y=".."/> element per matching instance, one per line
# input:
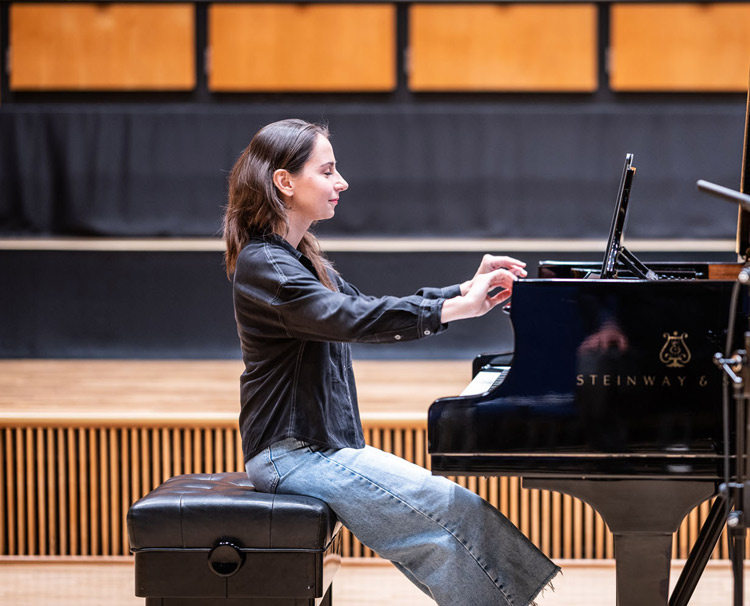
<point x="448" y="169"/>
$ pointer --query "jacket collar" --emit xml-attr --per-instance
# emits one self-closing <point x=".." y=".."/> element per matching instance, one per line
<point x="277" y="240"/>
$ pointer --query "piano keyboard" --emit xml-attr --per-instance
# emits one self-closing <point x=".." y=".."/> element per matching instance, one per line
<point x="489" y="377"/>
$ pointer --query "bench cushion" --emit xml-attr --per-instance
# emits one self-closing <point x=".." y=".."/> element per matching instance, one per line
<point x="193" y="510"/>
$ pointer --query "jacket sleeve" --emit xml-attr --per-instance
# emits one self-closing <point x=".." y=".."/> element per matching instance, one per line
<point x="447" y="292"/>
<point x="428" y="292"/>
<point x="284" y="299"/>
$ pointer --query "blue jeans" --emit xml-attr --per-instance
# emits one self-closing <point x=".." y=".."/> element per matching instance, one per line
<point x="447" y="540"/>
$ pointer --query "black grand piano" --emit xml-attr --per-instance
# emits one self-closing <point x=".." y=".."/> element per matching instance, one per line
<point x="611" y="396"/>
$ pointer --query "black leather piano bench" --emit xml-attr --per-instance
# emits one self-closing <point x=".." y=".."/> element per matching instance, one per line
<point x="212" y="540"/>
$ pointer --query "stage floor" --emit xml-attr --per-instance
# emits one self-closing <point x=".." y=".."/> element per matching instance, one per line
<point x="65" y="582"/>
<point x="181" y="388"/>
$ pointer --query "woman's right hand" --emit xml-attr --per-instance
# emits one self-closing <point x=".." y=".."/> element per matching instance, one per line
<point x="492" y="262"/>
<point x="478" y="297"/>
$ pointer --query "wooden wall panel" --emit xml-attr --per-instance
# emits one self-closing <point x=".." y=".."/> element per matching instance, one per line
<point x="297" y="47"/>
<point x="680" y="47"/>
<point x="100" y="46"/>
<point x="503" y="47"/>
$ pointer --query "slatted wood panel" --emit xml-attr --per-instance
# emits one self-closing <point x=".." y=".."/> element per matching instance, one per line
<point x="66" y="490"/>
<point x="102" y="46"/>
<point x="66" y="487"/>
<point x="680" y="47"/>
<point x="503" y="47"/>
<point x="298" y="47"/>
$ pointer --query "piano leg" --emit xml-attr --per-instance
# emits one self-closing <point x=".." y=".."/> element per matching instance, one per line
<point x="642" y="563"/>
<point x="642" y="515"/>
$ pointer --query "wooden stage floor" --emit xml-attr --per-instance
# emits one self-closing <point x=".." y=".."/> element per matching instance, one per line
<point x="145" y="388"/>
<point x="358" y="583"/>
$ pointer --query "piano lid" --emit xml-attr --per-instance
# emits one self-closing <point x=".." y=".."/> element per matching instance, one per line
<point x="743" y="218"/>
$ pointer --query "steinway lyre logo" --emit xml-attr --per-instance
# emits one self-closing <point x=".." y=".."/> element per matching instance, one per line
<point x="675" y="352"/>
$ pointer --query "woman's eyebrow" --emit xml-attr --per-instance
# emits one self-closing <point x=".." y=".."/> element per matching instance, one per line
<point x="329" y="163"/>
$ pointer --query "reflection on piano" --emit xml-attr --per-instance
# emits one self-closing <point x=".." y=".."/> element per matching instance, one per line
<point x="611" y="396"/>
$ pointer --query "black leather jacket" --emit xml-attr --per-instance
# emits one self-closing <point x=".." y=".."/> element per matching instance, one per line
<point x="295" y="333"/>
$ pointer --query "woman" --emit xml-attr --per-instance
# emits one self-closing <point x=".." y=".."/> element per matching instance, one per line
<point x="300" y="425"/>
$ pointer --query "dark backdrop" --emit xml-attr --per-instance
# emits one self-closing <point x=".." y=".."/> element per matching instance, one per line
<point x="458" y="169"/>
<point x="128" y="304"/>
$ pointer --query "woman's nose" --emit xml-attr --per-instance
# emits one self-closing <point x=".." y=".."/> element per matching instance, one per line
<point x="342" y="184"/>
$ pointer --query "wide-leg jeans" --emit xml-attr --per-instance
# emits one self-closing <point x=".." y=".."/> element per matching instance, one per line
<point x="447" y="540"/>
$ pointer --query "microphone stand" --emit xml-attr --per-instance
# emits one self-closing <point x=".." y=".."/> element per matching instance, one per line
<point x="736" y="370"/>
<point x="733" y="499"/>
<point x="734" y="493"/>
<point x="725" y="193"/>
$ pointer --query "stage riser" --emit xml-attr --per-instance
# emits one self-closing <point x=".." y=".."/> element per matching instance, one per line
<point x="66" y="488"/>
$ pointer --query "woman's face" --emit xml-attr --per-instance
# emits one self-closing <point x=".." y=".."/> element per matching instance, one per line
<point x="316" y="188"/>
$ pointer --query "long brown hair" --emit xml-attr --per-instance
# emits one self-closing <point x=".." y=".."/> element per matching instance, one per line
<point x="255" y="206"/>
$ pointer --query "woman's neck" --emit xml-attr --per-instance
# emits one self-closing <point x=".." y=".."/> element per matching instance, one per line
<point x="294" y="237"/>
<point x="295" y="232"/>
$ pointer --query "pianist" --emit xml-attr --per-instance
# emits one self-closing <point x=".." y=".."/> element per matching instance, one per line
<point x="300" y="425"/>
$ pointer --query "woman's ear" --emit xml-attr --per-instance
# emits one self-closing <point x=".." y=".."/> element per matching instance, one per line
<point x="283" y="182"/>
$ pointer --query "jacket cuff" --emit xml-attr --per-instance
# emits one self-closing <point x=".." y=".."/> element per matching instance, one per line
<point x="429" y="318"/>
<point x="451" y="291"/>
